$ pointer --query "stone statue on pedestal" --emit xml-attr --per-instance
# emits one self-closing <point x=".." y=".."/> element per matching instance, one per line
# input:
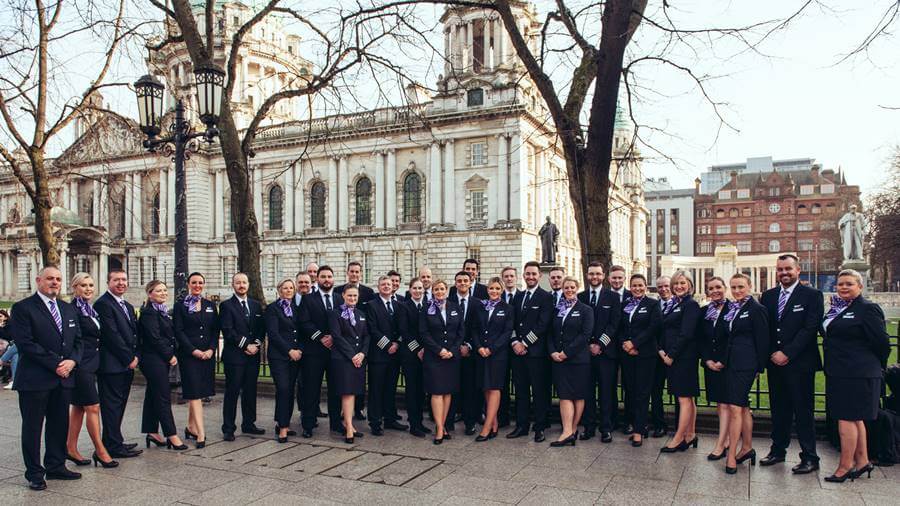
<point x="853" y="232"/>
<point x="549" y="235"/>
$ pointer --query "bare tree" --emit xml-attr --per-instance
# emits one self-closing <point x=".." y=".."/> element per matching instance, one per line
<point x="36" y="102"/>
<point x="883" y="214"/>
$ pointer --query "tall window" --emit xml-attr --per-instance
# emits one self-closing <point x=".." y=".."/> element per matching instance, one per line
<point x="673" y="231"/>
<point x="364" y="201"/>
<point x="478" y="208"/>
<point x="154" y="215"/>
<point x="412" y="198"/>
<point x="276" y="208"/>
<point x="317" y="205"/>
<point x="661" y="231"/>
<point x="479" y="153"/>
<point x="774" y="246"/>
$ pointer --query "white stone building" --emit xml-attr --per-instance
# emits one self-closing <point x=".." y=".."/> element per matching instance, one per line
<point x="471" y="171"/>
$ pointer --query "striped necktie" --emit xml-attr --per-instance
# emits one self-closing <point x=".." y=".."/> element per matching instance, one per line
<point x="55" y="313"/>
<point x="782" y="302"/>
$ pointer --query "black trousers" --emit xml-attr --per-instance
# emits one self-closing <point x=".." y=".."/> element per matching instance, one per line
<point x="793" y="402"/>
<point x="415" y="389"/>
<point x="598" y="409"/>
<point x="52" y="405"/>
<point x="313" y="370"/>
<point x="531" y="377"/>
<point x="113" y="390"/>
<point x="619" y="376"/>
<point x="503" y="413"/>
<point x="657" y="412"/>
<point x="284" y="375"/>
<point x="157" y="397"/>
<point x="470" y="400"/>
<point x="240" y="381"/>
<point x="638" y="376"/>
<point x="377" y="387"/>
<point x="390" y="393"/>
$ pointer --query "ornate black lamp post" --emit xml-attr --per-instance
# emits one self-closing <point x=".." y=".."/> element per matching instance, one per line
<point x="210" y="81"/>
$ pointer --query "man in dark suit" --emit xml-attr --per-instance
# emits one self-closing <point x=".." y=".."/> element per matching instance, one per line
<point x="467" y="405"/>
<point x="390" y="408"/>
<point x="617" y="284"/>
<point x="312" y="319"/>
<point x="556" y="276"/>
<point x="243" y="333"/>
<point x="533" y="314"/>
<point x="46" y="332"/>
<point x="657" y="411"/>
<point x="383" y="356"/>
<point x="118" y="358"/>
<point x="607" y="312"/>
<point x="510" y="279"/>
<point x="354" y="278"/>
<point x="794" y="312"/>
<point x="426" y="277"/>
<point x="478" y="290"/>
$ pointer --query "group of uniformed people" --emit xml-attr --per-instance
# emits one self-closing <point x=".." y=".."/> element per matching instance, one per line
<point x="458" y="344"/>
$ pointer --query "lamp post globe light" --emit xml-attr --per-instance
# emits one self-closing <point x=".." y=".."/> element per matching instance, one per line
<point x="210" y="81"/>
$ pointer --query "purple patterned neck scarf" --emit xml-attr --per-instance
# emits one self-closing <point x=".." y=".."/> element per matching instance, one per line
<point x="837" y="305"/>
<point x="735" y="308"/>
<point x="348" y="314"/>
<point x="85" y="308"/>
<point x="191" y="303"/>
<point x="162" y="308"/>
<point x="436" y="305"/>
<point x="489" y="305"/>
<point x="286" y="308"/>
<point x="712" y="309"/>
<point x="564" y="306"/>
<point x="632" y="303"/>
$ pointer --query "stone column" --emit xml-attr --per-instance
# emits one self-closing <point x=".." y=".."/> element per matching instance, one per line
<point x="64" y="271"/>
<point x="73" y="197"/>
<point x="163" y="202"/>
<point x="502" y="200"/>
<point x="448" y="51"/>
<point x="459" y="54"/>
<point x="218" y="202"/>
<point x="289" y="200"/>
<point x="104" y="264"/>
<point x="257" y="195"/>
<point x="487" y="49"/>
<point x="380" y="192"/>
<point x="391" y="182"/>
<point x="137" y="208"/>
<point x="470" y="47"/>
<point x="4" y="275"/>
<point x="4" y="205"/>
<point x="499" y="42"/>
<point x="518" y="179"/>
<point x="103" y="209"/>
<point x="173" y="198"/>
<point x="343" y="194"/>
<point x="129" y="205"/>
<point x="95" y="195"/>
<point x="332" y="194"/>
<point x="9" y="277"/>
<point x="450" y="195"/>
<point x="66" y="202"/>
<point x="434" y="184"/>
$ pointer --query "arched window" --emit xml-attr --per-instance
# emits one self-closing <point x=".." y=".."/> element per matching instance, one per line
<point x="276" y="208"/>
<point x="317" y="205"/>
<point x="154" y="215"/>
<point x="720" y="213"/>
<point x="363" y="201"/>
<point x="774" y="246"/>
<point x="774" y="228"/>
<point x="816" y="209"/>
<point x="801" y="209"/>
<point x="412" y="198"/>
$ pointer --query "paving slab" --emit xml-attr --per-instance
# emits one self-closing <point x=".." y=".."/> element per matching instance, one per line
<point x="291" y="455"/>
<point x="324" y="461"/>
<point x="401" y="471"/>
<point x="541" y="496"/>
<point x="361" y="466"/>
<point x="481" y="488"/>
<point x="257" y="451"/>
<point x="626" y="490"/>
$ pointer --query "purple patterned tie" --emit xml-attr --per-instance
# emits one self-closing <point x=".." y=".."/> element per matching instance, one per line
<point x="735" y="308"/>
<point x="782" y="302"/>
<point x="55" y="313"/>
<point x="125" y="309"/>
<point x="286" y="308"/>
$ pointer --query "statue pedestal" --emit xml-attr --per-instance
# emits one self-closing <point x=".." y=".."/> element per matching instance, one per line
<point x="860" y="266"/>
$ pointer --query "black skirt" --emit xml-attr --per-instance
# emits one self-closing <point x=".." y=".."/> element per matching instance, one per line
<point x="715" y="385"/>
<point x="441" y="377"/>
<point x="852" y="399"/>
<point x="683" y="377"/>
<point x="85" y="391"/>
<point x="737" y="387"/>
<point x="572" y="381"/>
<point x="345" y="378"/>
<point x="491" y="372"/>
<point x="198" y="377"/>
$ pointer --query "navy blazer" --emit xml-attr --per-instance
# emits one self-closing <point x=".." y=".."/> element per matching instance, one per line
<point x="748" y="338"/>
<point x="90" y="342"/>
<point x="365" y="293"/>
<point x="796" y="332"/>
<point x="856" y="342"/>
<point x="471" y="320"/>
<point x="41" y="345"/>
<point x="714" y="338"/>
<point x="348" y="339"/>
<point x="157" y="333"/>
<point x="435" y="334"/>
<point x="495" y="332"/>
<point x="238" y="331"/>
<point x="533" y="322"/>
<point x="118" y="335"/>
<point x="382" y="328"/>
<point x="282" y="332"/>
<point x="572" y="335"/>
<point x="679" y="330"/>
<point x="312" y="321"/>
<point x="408" y="325"/>
<point x="478" y="290"/>
<point x="196" y="331"/>
<point x="642" y="327"/>
<point x="607" y="318"/>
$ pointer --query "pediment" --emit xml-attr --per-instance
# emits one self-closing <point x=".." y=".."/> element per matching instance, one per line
<point x="111" y="137"/>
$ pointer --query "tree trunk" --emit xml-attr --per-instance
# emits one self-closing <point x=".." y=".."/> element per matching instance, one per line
<point x="43" y="224"/>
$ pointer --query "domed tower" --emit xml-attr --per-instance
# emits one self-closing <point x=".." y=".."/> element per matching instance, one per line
<point x="90" y="115"/>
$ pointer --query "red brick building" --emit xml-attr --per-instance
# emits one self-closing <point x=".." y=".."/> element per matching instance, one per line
<point x="777" y="211"/>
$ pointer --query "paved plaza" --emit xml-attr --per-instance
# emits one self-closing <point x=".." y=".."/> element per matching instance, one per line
<point x="400" y="469"/>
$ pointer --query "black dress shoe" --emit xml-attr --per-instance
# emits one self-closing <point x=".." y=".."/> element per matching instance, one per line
<point x="805" y="467"/>
<point x="112" y="463"/>
<point x="253" y="430"/>
<point x="78" y="462"/>
<point x="437" y="441"/>
<point x="470" y="430"/>
<point x="569" y="441"/>
<point x="771" y="459"/>
<point x="448" y="436"/>
<point x="395" y="425"/>
<point x="480" y="439"/>
<point x="37" y="485"/>
<point x="628" y="429"/>
<point x="637" y="442"/>
<point x="377" y="431"/>
<point x="606" y="437"/>
<point x="321" y="414"/>
<point x="417" y="432"/>
<point x="228" y="436"/>
<point x="359" y="415"/>
<point x="587" y="434"/>
<point x="200" y="445"/>
<point x="539" y="436"/>
<point x="63" y="474"/>
<point x="349" y="440"/>
<point x="130" y="446"/>
<point x="281" y="439"/>
<point x="658" y="432"/>
<point x="307" y="433"/>
<point x="517" y="432"/>
<point x="713" y="456"/>
<point x="126" y="454"/>
<point x="834" y="478"/>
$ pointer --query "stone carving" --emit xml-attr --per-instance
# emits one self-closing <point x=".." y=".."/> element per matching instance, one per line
<point x="549" y="235"/>
<point x="853" y="231"/>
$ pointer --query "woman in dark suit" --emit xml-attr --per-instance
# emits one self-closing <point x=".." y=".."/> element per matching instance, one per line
<point x="157" y="343"/>
<point x="491" y="340"/>
<point x="571" y="359"/>
<point x="639" y="336"/>
<point x="350" y="335"/>
<point x="680" y="354"/>
<point x="713" y="334"/>
<point x="414" y="307"/>
<point x="284" y="355"/>
<point x="85" y="402"/>
<point x="197" y="333"/>
<point x="442" y="331"/>
<point x="748" y="352"/>
<point x="856" y="350"/>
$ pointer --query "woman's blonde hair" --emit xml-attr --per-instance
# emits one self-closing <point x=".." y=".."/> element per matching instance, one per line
<point x="78" y="278"/>
<point x="286" y="280"/>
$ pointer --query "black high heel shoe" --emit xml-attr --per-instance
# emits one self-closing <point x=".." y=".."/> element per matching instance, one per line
<point x="200" y="444"/>
<point x="569" y="441"/>
<point x="694" y="442"/>
<point x="172" y="446"/>
<point x="438" y="441"/>
<point x="749" y="455"/>
<point x="713" y="456"/>
<point x="106" y="465"/>
<point x="349" y="440"/>
<point x="834" y="478"/>
<point x="680" y="447"/>
<point x="87" y="462"/>
<point x="492" y="435"/>
<point x="864" y="470"/>
<point x="637" y="442"/>
<point x="480" y="439"/>
<point x="150" y="439"/>
<point x="730" y="470"/>
<point x="189" y="435"/>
